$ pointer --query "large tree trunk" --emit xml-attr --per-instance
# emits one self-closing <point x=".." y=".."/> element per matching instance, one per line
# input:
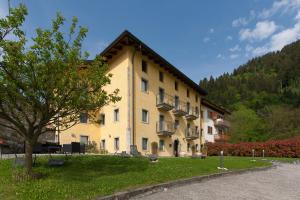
<point x="28" y="157"/>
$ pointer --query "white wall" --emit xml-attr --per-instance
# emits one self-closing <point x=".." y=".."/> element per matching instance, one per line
<point x="208" y="122"/>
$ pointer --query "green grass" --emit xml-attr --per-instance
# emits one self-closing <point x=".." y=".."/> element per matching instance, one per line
<point x="86" y="177"/>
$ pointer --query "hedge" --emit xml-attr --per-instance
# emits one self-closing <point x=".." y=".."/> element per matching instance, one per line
<point x="273" y="148"/>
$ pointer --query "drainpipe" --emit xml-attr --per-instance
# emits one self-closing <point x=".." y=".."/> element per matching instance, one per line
<point x="133" y="96"/>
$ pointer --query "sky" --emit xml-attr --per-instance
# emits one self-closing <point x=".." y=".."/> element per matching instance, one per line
<point x="201" y="38"/>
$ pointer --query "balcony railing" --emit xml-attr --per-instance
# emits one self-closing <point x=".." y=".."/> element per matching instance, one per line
<point x="179" y="109"/>
<point x="192" y="133"/>
<point x="164" y="102"/>
<point x="192" y="113"/>
<point x="221" y="123"/>
<point x="165" y="128"/>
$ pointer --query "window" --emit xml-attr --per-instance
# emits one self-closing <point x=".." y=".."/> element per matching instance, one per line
<point x="102" y="119"/>
<point x="176" y="86"/>
<point x="161" y="76"/>
<point x="144" y="85"/>
<point x="187" y="93"/>
<point x="145" y="116"/>
<point x="176" y="102"/>
<point x="197" y="147"/>
<point x="117" y="143"/>
<point x="102" y="145"/>
<point x="84" y="140"/>
<point x="209" y="114"/>
<point x="116" y="115"/>
<point x="145" y="143"/>
<point x="188" y="107"/>
<point x="196" y="98"/>
<point x="83" y="117"/>
<point x="176" y="124"/>
<point x="201" y="113"/>
<point x="161" y="146"/>
<point x="188" y="147"/>
<point x="197" y="110"/>
<point x="209" y="130"/>
<point x="144" y="66"/>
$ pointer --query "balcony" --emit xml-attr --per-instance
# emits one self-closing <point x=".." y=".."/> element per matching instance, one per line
<point x="179" y="109"/>
<point x="191" y="134"/>
<point x="164" y="128"/>
<point x="191" y="114"/>
<point x="221" y="123"/>
<point x="164" y="102"/>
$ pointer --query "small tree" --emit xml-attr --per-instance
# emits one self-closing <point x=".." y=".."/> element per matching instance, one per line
<point x="47" y="81"/>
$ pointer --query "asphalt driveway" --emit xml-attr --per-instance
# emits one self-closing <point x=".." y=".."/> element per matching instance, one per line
<point x="280" y="183"/>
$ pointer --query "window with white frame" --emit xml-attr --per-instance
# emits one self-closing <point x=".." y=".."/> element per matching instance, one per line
<point x="117" y="144"/>
<point x="116" y="115"/>
<point x="161" y="146"/>
<point x="144" y="85"/>
<point x="145" y="116"/>
<point x="102" y="119"/>
<point x="145" y="144"/>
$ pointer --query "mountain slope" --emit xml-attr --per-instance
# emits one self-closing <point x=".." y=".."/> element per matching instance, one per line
<point x="265" y="85"/>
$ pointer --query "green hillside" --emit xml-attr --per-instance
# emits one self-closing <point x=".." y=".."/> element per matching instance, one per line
<point x="264" y="95"/>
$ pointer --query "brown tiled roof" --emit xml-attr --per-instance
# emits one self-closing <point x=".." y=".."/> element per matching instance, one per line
<point x="128" y="39"/>
<point x="214" y="106"/>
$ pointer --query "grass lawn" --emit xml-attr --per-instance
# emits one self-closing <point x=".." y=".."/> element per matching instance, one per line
<point x="86" y="177"/>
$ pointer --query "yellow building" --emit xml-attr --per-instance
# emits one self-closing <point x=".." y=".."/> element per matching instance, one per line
<point x="160" y="107"/>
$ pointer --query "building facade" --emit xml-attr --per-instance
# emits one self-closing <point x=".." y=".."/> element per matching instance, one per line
<point x="214" y="124"/>
<point x="159" y="111"/>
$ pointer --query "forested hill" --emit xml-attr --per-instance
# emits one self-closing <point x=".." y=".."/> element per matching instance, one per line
<point x="262" y="88"/>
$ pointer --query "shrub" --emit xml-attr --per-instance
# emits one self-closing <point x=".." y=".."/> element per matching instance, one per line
<point x="92" y="147"/>
<point x="273" y="148"/>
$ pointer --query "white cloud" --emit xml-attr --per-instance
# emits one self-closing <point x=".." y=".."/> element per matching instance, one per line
<point x="262" y="30"/>
<point x="206" y="39"/>
<point x="229" y="37"/>
<point x="248" y="48"/>
<point x="280" y="6"/>
<point x="298" y="16"/>
<point x="221" y="56"/>
<point x="285" y="37"/>
<point x="240" y="22"/>
<point x="235" y="48"/>
<point x="243" y="21"/>
<point x="234" y="56"/>
<point x="279" y="40"/>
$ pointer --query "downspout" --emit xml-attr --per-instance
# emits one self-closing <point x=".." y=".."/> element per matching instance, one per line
<point x="133" y="96"/>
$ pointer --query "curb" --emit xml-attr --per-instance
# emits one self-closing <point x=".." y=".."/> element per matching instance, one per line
<point x="147" y="190"/>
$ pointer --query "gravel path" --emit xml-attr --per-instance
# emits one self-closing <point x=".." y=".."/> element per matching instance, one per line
<point x="280" y="183"/>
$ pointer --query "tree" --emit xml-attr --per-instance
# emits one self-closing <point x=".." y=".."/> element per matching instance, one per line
<point x="246" y="126"/>
<point x="48" y="81"/>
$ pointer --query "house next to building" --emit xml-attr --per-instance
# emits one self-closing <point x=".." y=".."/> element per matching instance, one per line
<point x="214" y="123"/>
<point x="159" y="111"/>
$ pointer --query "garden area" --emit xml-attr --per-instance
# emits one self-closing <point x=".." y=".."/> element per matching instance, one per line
<point x="91" y="176"/>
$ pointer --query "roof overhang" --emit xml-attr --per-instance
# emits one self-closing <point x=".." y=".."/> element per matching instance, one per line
<point x="128" y="39"/>
<point x="215" y="107"/>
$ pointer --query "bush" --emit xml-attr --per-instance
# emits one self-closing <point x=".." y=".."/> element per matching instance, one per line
<point x="273" y="148"/>
<point x="91" y="147"/>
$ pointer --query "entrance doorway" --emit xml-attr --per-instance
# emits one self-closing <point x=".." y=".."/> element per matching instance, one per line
<point x="154" y="148"/>
<point x="176" y="148"/>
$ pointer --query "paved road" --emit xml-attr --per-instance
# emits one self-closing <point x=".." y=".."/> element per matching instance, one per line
<point x="281" y="183"/>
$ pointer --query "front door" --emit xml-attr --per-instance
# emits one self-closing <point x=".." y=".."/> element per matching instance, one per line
<point x="176" y="148"/>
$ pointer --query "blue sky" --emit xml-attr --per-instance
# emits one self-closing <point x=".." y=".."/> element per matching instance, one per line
<point x="201" y="38"/>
